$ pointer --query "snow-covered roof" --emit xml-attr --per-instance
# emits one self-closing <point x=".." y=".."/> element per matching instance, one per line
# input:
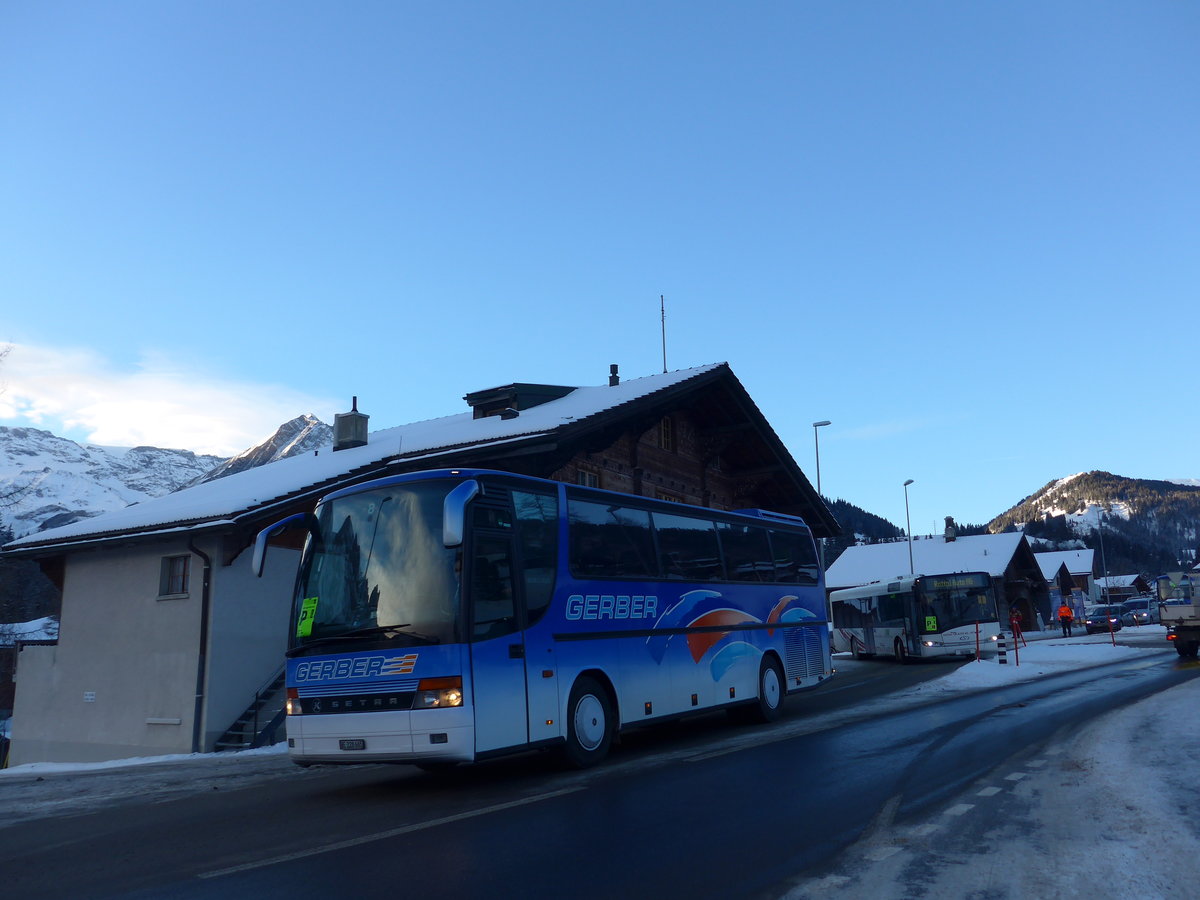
<point x="1118" y="581"/>
<point x="863" y="564"/>
<point x="44" y="629"/>
<point x="1078" y="562"/>
<point x="212" y="502"/>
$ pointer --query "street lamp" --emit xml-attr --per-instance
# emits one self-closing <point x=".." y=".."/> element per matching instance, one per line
<point x="817" y="445"/>
<point x="908" y="523"/>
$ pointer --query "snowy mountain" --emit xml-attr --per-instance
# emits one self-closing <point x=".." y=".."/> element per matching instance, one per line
<point x="47" y="481"/>
<point x="302" y="434"/>
<point x="1146" y="526"/>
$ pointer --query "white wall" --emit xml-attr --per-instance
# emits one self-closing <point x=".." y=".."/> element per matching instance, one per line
<point x="248" y="634"/>
<point x="122" y="680"/>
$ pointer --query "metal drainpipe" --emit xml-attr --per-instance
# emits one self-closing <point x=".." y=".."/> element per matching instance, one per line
<point x="202" y="662"/>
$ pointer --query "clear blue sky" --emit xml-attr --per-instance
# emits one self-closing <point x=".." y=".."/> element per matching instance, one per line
<point x="966" y="233"/>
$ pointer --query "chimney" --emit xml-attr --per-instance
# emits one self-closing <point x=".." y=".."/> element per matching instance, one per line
<point x="350" y="429"/>
<point x="613" y="378"/>
<point x="951" y="531"/>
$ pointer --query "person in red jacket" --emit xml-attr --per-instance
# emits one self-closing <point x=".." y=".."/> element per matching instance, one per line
<point x="1064" y="617"/>
<point x="1014" y="622"/>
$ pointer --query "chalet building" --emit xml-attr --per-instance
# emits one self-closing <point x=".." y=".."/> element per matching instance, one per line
<point x="1080" y="565"/>
<point x="1119" y="588"/>
<point x="167" y="641"/>
<point x="1007" y="558"/>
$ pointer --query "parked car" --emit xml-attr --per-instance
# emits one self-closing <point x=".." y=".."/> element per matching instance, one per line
<point x="1101" y="618"/>
<point x="1140" y="611"/>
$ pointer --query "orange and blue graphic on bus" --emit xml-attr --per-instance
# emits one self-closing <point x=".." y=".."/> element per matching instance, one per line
<point x="710" y="628"/>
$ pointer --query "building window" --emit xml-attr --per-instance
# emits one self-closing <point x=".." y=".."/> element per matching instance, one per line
<point x="666" y="435"/>
<point x="663" y="495"/>
<point x="588" y="479"/>
<point x="173" y="580"/>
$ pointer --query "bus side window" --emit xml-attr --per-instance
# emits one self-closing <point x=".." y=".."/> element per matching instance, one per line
<point x="747" y="553"/>
<point x="688" y="548"/>
<point x="892" y="608"/>
<point x="609" y="541"/>
<point x="492" y="607"/>
<point x="537" y="534"/>
<point x="795" y="557"/>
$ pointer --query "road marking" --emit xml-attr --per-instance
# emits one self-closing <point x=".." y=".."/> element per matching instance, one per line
<point x="988" y="792"/>
<point x="960" y="809"/>
<point x="1015" y="776"/>
<point x="1036" y="763"/>
<point x="384" y="835"/>
<point x="926" y="830"/>
<point x="699" y="757"/>
<point x="875" y="854"/>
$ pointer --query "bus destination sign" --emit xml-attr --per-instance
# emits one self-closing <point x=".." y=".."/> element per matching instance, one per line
<point x="954" y="582"/>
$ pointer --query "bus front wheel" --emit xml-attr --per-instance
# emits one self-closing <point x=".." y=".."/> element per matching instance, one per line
<point x="901" y="653"/>
<point x="589" y="723"/>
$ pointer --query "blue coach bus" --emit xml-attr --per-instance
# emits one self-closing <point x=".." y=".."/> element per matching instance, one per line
<point x="454" y="615"/>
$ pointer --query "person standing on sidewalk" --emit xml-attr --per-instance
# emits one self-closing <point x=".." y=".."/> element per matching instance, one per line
<point x="1014" y="621"/>
<point x="1064" y="618"/>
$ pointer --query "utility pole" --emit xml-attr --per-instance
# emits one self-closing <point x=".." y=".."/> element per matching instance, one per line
<point x="662" y="305"/>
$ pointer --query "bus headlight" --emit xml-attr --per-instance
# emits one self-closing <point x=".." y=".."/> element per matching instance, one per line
<point x="927" y="643"/>
<point x="437" y="693"/>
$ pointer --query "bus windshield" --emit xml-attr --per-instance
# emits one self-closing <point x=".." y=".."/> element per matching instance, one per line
<point x="378" y="568"/>
<point x="947" y="601"/>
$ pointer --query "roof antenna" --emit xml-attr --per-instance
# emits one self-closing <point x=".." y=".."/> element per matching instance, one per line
<point x="662" y="304"/>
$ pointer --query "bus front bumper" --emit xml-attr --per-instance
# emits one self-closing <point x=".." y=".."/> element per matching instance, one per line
<point x="427" y="735"/>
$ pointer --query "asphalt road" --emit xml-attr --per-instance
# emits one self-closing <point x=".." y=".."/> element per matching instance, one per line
<point x="700" y="809"/>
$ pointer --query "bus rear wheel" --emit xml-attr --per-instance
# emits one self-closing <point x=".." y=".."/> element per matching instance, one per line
<point x="772" y="688"/>
<point x="589" y="723"/>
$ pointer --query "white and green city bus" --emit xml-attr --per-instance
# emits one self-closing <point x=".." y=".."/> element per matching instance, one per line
<point x="917" y="616"/>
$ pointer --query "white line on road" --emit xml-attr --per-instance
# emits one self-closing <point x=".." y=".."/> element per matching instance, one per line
<point x="878" y="854"/>
<point x="988" y="792"/>
<point x="1015" y="776"/>
<point x="384" y="835"/>
<point x="960" y="809"/>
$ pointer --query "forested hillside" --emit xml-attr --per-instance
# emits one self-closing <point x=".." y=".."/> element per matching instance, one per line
<point x="1135" y="525"/>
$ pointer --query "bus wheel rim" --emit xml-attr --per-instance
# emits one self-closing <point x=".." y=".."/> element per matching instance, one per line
<point x="770" y="687"/>
<point x="589" y="722"/>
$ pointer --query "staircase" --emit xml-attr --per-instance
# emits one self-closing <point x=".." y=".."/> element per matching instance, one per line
<point x="261" y="724"/>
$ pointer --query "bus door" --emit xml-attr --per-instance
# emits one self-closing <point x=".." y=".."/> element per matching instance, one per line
<point x="497" y="644"/>
<point x="514" y="666"/>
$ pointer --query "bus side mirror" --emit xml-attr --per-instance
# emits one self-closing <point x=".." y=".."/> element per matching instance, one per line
<point x="454" y="513"/>
<point x="306" y="520"/>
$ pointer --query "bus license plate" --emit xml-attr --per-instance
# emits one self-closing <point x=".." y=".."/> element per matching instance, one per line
<point x="353" y="744"/>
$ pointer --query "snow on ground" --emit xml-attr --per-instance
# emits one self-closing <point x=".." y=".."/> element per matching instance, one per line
<point x="1110" y="814"/>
